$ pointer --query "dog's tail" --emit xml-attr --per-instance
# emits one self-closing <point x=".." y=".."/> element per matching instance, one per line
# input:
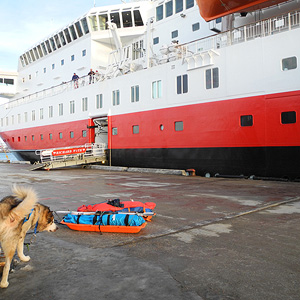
<point x="29" y="198"/>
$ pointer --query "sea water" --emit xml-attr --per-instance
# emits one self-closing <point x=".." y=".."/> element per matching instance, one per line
<point x="4" y="156"/>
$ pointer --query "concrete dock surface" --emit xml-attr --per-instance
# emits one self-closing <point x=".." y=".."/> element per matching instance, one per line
<point x="212" y="239"/>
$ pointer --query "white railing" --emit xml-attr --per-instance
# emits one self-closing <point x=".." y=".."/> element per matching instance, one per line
<point x="72" y="153"/>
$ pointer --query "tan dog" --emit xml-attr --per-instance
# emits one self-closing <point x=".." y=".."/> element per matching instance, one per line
<point x="13" y="229"/>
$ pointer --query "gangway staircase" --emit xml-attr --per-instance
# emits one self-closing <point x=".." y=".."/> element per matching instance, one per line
<point x="71" y="156"/>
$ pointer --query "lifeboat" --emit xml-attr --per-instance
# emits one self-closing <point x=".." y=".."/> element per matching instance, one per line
<point x="213" y="9"/>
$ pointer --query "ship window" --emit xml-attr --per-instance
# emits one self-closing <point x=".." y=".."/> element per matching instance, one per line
<point x="40" y="51"/>
<point x="71" y="134"/>
<point x="72" y="57"/>
<point x="127" y="19"/>
<point x="84" y="103"/>
<point x="178" y="6"/>
<point x="178" y="126"/>
<point x="60" y="135"/>
<point x="19" y="118"/>
<point x="36" y="53"/>
<point x="42" y="137"/>
<point x="85" y="26"/>
<point x="48" y="46"/>
<point x="50" y="136"/>
<point x="22" y="61"/>
<point x="155" y="40"/>
<point x="67" y="34"/>
<point x="189" y="3"/>
<point x="196" y="26"/>
<point x="73" y="33"/>
<point x="72" y="107"/>
<point x="32" y="137"/>
<point x="212" y="78"/>
<point x="50" y="111"/>
<point x="60" y="109"/>
<point x="45" y="70"/>
<point x="246" y="120"/>
<point x="288" y="117"/>
<point x="28" y="57"/>
<point x="53" y="66"/>
<point x="135" y="129"/>
<point x="114" y="131"/>
<point x="8" y="81"/>
<point x="116" y="97"/>
<point x="44" y="49"/>
<point x="32" y="55"/>
<point x="19" y="139"/>
<point x="12" y="120"/>
<point x="115" y="18"/>
<point x="25" y="59"/>
<point x="169" y="8"/>
<point x="6" y="121"/>
<point x="62" y="62"/>
<point x="33" y="115"/>
<point x="62" y="38"/>
<point x="99" y="101"/>
<point x="159" y="12"/>
<point x="135" y="93"/>
<point x="289" y="63"/>
<point x="25" y="138"/>
<point x="78" y="29"/>
<point x="12" y="138"/>
<point x="93" y="23"/>
<point x="83" y="133"/>
<point x="84" y="52"/>
<point x="103" y="21"/>
<point x="156" y="89"/>
<point x="41" y="113"/>
<point x="57" y="41"/>
<point x="174" y="34"/>
<point x="138" y="21"/>
<point x="182" y="84"/>
<point x="52" y="44"/>
<point x="25" y="116"/>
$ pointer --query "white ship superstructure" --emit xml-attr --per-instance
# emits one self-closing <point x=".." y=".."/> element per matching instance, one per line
<point x="170" y="90"/>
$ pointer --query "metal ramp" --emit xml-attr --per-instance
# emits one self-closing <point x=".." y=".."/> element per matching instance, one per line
<point x="70" y="156"/>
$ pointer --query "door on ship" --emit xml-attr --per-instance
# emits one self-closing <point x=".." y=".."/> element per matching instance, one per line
<point x="101" y="130"/>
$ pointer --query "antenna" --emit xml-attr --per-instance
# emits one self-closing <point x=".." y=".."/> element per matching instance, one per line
<point x="94" y="3"/>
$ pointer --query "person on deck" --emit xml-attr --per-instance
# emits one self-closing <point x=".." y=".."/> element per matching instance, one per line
<point x="75" y="78"/>
<point x="91" y="74"/>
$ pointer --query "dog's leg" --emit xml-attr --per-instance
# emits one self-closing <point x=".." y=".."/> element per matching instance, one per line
<point x="9" y="249"/>
<point x="20" y="248"/>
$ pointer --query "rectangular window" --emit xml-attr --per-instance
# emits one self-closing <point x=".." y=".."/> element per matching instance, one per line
<point x="50" y="111"/>
<point x="45" y="70"/>
<point x="178" y="6"/>
<point x="156" y="89"/>
<point x="25" y="117"/>
<point x="67" y="34"/>
<point x="288" y="117"/>
<point x="135" y="93"/>
<point x="182" y="84"/>
<point x="41" y="113"/>
<point x="33" y="115"/>
<point x="72" y="57"/>
<point x="73" y="33"/>
<point x="50" y="136"/>
<point x="178" y="126"/>
<point x="19" y="118"/>
<point x="83" y="133"/>
<point x="115" y="18"/>
<point x="135" y="129"/>
<point x="246" y="120"/>
<point x="60" y="109"/>
<point x="169" y="8"/>
<point x="84" y="52"/>
<point x="155" y="40"/>
<point x="12" y="120"/>
<point x="138" y="21"/>
<point x="42" y="137"/>
<point x="116" y="97"/>
<point x="127" y="19"/>
<point x="85" y="25"/>
<point x="212" y="78"/>
<point x="25" y="138"/>
<point x="174" y="34"/>
<point x="71" y="134"/>
<point x="62" y="62"/>
<point x="53" y="66"/>
<point x="60" y="135"/>
<point x="32" y="137"/>
<point x="159" y="12"/>
<point x="103" y="21"/>
<point x="72" y="107"/>
<point x="289" y="63"/>
<point x="84" y="103"/>
<point x="196" y="26"/>
<point x="78" y="29"/>
<point x="99" y="101"/>
<point x="62" y="38"/>
<point x="114" y="131"/>
<point x="189" y="4"/>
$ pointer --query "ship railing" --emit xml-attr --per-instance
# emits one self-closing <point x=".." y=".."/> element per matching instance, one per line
<point x="72" y="153"/>
<point x="244" y="33"/>
<point x="55" y="90"/>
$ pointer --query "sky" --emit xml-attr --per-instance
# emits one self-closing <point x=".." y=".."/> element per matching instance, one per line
<point x="25" y="22"/>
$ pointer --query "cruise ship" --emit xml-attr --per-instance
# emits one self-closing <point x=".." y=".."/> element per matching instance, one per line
<point x="178" y="84"/>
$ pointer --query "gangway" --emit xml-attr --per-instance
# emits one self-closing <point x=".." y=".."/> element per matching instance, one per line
<point x="71" y="156"/>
